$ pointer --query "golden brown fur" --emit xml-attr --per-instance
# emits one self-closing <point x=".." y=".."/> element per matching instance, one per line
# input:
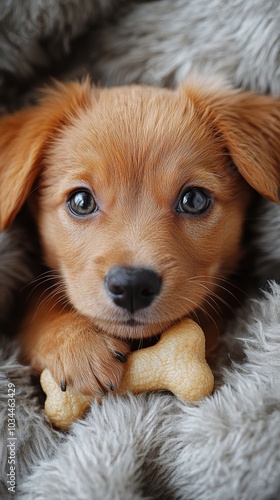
<point x="136" y="148"/>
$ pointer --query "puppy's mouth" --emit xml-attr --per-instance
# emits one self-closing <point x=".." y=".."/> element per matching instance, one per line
<point x="132" y="322"/>
<point x="132" y="328"/>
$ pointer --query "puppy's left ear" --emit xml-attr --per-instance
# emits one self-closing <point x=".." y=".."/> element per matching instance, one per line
<point x="250" y="126"/>
<point x="23" y="140"/>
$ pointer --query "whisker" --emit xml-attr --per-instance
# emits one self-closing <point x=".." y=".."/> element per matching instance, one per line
<point x="221" y="287"/>
<point x="60" y="300"/>
<point x="41" y="280"/>
<point x="197" y="279"/>
<point x="216" y="296"/>
<point x="201" y="307"/>
<point x="48" y="294"/>
<point x="52" y="289"/>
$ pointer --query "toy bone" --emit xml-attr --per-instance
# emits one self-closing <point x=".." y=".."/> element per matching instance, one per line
<point x="176" y="363"/>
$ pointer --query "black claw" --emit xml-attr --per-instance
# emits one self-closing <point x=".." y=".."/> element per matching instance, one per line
<point x="120" y="357"/>
<point x="111" y="386"/>
<point x="63" y="385"/>
<point x="101" y="389"/>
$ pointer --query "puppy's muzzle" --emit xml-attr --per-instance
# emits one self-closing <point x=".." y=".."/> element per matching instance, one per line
<point x="132" y="288"/>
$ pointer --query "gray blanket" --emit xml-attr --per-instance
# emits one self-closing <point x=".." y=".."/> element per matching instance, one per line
<point x="154" y="446"/>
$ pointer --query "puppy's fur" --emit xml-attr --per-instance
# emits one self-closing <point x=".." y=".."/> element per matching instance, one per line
<point x="136" y="149"/>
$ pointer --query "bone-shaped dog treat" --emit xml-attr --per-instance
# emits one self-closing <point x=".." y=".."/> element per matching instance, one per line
<point x="63" y="407"/>
<point x="176" y="363"/>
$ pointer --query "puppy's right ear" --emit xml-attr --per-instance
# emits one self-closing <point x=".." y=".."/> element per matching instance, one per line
<point x="24" y="137"/>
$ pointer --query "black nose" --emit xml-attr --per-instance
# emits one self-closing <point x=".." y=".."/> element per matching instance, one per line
<point x="132" y="288"/>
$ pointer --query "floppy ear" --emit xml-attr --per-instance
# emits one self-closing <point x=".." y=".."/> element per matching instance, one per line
<point x="250" y="126"/>
<point x="24" y="137"/>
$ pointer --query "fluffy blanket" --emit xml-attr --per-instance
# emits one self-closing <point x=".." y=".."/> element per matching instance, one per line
<point x="152" y="446"/>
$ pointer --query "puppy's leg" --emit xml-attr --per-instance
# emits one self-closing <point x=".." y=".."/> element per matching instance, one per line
<point x="74" y="351"/>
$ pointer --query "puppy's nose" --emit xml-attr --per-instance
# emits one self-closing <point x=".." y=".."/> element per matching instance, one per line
<point x="132" y="288"/>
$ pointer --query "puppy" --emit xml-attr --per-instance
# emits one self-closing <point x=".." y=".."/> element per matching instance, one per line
<point x="140" y="196"/>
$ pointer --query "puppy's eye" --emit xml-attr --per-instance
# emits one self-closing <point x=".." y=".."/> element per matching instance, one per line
<point x="82" y="203"/>
<point x="194" y="201"/>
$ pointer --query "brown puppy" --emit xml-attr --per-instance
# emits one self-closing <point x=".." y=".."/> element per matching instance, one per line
<point x="140" y="197"/>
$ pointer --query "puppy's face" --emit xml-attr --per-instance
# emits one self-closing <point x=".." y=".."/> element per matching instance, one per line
<point x="139" y="207"/>
<point x="140" y="182"/>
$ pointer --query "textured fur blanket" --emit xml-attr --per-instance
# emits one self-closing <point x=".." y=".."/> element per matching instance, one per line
<point x="152" y="446"/>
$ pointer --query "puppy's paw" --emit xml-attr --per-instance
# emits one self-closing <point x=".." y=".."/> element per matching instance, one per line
<point x="87" y="360"/>
<point x="94" y="364"/>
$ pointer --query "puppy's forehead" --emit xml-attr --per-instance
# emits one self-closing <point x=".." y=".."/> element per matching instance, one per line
<point x="138" y="134"/>
<point x="133" y="119"/>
